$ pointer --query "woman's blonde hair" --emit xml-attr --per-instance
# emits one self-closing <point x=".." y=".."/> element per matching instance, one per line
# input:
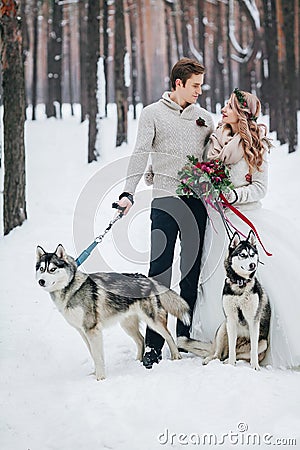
<point x="253" y="135"/>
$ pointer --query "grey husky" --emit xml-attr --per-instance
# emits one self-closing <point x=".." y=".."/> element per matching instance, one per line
<point x="91" y="302"/>
<point x="244" y="333"/>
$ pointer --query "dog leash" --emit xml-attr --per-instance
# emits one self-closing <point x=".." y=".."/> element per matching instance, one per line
<point x="244" y="219"/>
<point x="86" y="253"/>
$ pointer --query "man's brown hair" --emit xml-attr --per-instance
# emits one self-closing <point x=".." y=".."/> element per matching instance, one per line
<point x="184" y="69"/>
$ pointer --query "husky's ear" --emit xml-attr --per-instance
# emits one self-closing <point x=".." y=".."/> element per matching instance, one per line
<point x="235" y="240"/>
<point x="39" y="252"/>
<point x="60" y="252"/>
<point x="251" y="238"/>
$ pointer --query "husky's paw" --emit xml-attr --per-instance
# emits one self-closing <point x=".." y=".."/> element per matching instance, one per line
<point x="176" y="356"/>
<point x="139" y="355"/>
<point x="255" y="366"/>
<point x="231" y="362"/>
<point x="100" y="377"/>
<point x="140" y="352"/>
<point x="210" y="358"/>
<point x="207" y="360"/>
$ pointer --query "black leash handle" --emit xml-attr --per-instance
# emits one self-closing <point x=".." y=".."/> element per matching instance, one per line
<point x="117" y="206"/>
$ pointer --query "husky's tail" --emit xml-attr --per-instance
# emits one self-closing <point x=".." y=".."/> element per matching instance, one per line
<point x="175" y="305"/>
<point x="202" y="349"/>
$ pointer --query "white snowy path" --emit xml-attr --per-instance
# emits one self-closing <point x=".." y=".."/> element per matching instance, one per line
<point x="48" y="399"/>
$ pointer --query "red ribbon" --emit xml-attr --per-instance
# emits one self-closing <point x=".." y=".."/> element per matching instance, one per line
<point x="245" y="219"/>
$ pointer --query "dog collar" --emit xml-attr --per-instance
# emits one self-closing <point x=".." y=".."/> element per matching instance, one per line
<point x="241" y="282"/>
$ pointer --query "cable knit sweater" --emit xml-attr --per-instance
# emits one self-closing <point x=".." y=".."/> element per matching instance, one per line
<point x="168" y="133"/>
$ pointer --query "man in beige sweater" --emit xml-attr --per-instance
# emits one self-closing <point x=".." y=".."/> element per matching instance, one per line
<point x="169" y="130"/>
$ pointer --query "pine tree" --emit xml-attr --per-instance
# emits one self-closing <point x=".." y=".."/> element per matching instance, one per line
<point x="93" y="51"/>
<point x="120" y="89"/>
<point x="14" y="116"/>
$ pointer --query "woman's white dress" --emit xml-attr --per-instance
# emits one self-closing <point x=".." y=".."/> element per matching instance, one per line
<point x="279" y="274"/>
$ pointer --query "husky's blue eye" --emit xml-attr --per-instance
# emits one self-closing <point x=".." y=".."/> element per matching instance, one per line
<point x="42" y="269"/>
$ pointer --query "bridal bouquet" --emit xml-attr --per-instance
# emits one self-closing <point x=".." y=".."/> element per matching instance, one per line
<point x="206" y="180"/>
<point x="209" y="181"/>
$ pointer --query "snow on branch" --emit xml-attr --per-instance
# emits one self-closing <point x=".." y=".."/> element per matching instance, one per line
<point x="245" y="53"/>
<point x="252" y="8"/>
<point x="232" y="37"/>
<point x="193" y="49"/>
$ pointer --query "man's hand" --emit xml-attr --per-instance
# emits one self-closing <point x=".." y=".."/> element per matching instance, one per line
<point x="125" y="203"/>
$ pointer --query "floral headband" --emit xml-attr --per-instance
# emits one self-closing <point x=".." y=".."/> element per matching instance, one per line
<point x="243" y="103"/>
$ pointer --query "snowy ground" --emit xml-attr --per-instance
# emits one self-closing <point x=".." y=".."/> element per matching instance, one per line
<point x="48" y="399"/>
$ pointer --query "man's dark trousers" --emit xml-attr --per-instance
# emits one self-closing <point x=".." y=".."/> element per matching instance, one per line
<point x="171" y="216"/>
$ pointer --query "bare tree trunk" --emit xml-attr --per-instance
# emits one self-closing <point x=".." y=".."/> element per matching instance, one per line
<point x="82" y="18"/>
<point x="281" y="61"/>
<point x="69" y="46"/>
<point x="270" y="67"/>
<point x="291" y="89"/>
<point x="177" y="43"/>
<point x="120" y="89"/>
<point x="133" y="41"/>
<point x="297" y="40"/>
<point x="35" y="58"/>
<point x="25" y="39"/>
<point x="14" y="116"/>
<point x="229" y="65"/>
<point x="168" y="27"/>
<point x="24" y="27"/>
<point x="54" y="60"/>
<point x="105" y="51"/>
<point x="184" y="5"/>
<point x="244" y="65"/>
<point x="141" y="14"/>
<point x="219" y="58"/>
<point x="93" y="51"/>
<point x="201" y="38"/>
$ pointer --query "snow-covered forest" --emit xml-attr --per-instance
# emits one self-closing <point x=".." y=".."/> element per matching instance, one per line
<point x="75" y="75"/>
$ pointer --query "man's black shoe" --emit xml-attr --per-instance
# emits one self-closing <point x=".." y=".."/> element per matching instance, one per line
<point x="150" y="357"/>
